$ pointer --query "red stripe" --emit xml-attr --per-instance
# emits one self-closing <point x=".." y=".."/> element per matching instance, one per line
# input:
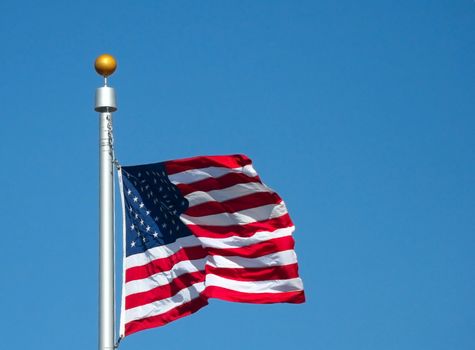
<point x="246" y="230"/>
<point x="231" y="161"/>
<point x="167" y="317"/>
<point x="165" y="291"/>
<point x="219" y="183"/>
<point x="249" y="201"/>
<point x="295" y="297"/>
<point x="164" y="264"/>
<point x="256" y="250"/>
<point x="256" y="274"/>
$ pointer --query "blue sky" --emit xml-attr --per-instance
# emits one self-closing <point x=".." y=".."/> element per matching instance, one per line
<point x="360" y="114"/>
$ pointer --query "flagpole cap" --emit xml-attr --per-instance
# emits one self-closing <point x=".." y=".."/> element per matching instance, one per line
<point x="105" y="65"/>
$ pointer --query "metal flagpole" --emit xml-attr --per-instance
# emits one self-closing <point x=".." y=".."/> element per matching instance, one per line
<point x="105" y="104"/>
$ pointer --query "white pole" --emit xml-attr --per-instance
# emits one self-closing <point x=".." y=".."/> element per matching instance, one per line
<point x="105" y="105"/>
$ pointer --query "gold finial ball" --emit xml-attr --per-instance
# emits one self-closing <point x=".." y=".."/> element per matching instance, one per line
<point x="105" y="65"/>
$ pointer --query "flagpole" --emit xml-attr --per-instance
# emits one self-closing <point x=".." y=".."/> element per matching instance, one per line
<point x="105" y="104"/>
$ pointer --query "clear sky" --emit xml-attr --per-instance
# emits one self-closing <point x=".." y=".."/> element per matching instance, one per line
<point x="359" y="113"/>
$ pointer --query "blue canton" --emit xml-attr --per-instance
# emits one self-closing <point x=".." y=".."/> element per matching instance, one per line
<point x="153" y="206"/>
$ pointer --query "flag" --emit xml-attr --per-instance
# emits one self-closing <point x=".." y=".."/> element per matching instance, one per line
<point x="200" y="228"/>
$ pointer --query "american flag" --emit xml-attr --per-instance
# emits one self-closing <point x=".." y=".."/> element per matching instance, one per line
<point x="199" y="228"/>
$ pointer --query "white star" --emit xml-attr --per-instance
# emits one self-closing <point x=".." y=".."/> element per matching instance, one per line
<point x="164" y="225"/>
<point x="129" y="192"/>
<point x="141" y="222"/>
<point x="130" y="209"/>
<point x="141" y="205"/>
<point x="147" y="228"/>
<point x="148" y="212"/>
<point x="136" y="215"/>
<point x="155" y="234"/>
<point x="143" y="239"/>
<point x="155" y="218"/>
<point x="132" y="244"/>
<point x="132" y="227"/>
<point x="136" y="199"/>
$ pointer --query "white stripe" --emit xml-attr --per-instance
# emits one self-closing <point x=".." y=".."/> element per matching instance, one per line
<point x="271" y="286"/>
<point x="160" y="252"/>
<point x="285" y="257"/>
<point x="161" y="306"/>
<point x="193" y="175"/>
<point x="242" y="217"/>
<point x="164" y="278"/>
<point x="225" y="194"/>
<point x="237" y="242"/>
